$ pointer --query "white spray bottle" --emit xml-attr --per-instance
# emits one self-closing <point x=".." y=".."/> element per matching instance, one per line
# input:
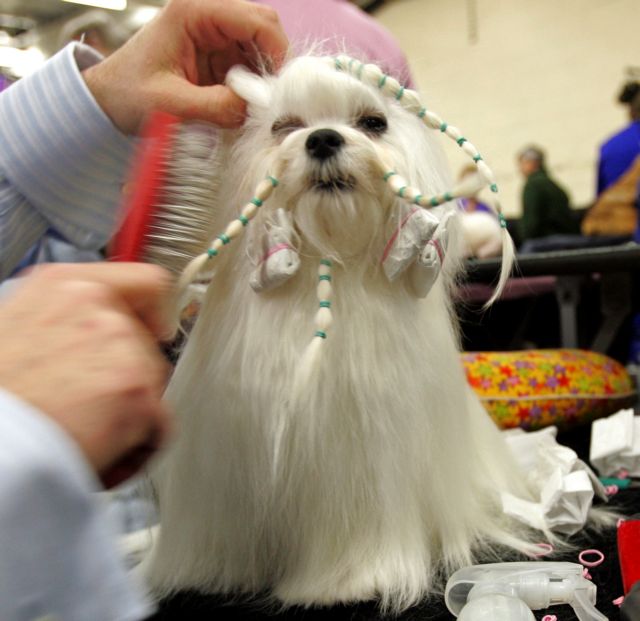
<point x="510" y="591"/>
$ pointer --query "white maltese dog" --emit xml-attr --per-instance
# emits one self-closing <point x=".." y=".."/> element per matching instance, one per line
<point x="329" y="449"/>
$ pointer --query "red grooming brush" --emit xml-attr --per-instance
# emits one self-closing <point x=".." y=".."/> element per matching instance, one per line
<point x="128" y="243"/>
<point x="166" y="210"/>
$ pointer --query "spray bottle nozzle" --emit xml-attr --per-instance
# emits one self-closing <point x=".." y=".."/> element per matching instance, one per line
<point x="514" y="589"/>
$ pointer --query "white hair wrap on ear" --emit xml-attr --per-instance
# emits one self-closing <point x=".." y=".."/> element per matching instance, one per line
<point x="280" y="260"/>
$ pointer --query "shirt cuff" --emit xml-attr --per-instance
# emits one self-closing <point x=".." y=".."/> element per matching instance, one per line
<point x="25" y="430"/>
<point x="61" y="151"/>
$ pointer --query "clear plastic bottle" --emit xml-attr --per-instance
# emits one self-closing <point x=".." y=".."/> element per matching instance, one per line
<point x="510" y="591"/>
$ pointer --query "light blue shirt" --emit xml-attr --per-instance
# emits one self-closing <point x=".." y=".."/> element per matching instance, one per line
<point x="58" y="558"/>
<point x="62" y="163"/>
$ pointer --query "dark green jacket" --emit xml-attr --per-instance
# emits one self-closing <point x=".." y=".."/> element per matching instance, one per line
<point x="545" y="208"/>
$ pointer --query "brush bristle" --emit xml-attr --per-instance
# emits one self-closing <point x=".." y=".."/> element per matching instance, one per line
<point x="181" y="226"/>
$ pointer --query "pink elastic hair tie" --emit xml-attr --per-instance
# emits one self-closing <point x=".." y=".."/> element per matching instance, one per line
<point x="595" y="563"/>
<point x="611" y="490"/>
<point x="438" y="247"/>
<point x="549" y="618"/>
<point x="274" y="249"/>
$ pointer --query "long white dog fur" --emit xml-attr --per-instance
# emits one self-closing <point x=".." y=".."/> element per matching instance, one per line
<point x="381" y="473"/>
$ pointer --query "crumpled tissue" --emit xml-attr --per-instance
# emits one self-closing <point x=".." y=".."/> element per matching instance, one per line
<point x="615" y="444"/>
<point x="413" y="232"/>
<point x="280" y="260"/>
<point x="424" y="272"/>
<point x="564" y="486"/>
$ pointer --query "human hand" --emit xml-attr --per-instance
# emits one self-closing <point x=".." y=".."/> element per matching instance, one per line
<point x="177" y="63"/>
<point x="79" y="344"/>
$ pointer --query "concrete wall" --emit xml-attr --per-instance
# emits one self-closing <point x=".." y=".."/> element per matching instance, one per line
<point x="543" y="71"/>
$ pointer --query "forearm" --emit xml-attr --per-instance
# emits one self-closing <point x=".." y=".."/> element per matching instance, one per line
<point x="58" y="556"/>
<point x="62" y="162"/>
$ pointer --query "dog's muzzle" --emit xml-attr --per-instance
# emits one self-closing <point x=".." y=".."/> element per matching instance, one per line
<point x="324" y="143"/>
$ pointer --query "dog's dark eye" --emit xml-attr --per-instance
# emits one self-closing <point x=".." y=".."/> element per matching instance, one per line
<point x="287" y="124"/>
<point x="375" y="124"/>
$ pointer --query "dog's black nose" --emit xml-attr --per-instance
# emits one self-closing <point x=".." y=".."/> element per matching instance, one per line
<point x="324" y="143"/>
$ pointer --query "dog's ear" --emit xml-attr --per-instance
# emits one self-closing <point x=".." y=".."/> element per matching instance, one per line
<point x="251" y="87"/>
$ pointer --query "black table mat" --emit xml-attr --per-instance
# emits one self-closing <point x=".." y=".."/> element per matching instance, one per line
<point x="196" y="607"/>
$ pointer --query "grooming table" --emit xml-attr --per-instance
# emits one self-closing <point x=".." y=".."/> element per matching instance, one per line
<point x="613" y="266"/>
<point x="196" y="607"/>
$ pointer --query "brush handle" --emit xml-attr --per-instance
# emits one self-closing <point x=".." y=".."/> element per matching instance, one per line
<point x="146" y="180"/>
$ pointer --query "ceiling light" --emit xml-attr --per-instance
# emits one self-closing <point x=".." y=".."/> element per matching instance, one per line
<point x="21" y="62"/>
<point x="114" y="5"/>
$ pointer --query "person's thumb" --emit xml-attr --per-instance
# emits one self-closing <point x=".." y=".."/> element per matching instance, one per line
<point x="216" y="104"/>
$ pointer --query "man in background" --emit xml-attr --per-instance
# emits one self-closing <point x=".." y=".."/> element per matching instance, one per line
<point x="545" y="204"/>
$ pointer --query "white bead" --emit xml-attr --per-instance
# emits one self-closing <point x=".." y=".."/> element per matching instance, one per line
<point x="372" y="73"/>
<point x="277" y="169"/>
<point x="410" y="193"/>
<point x="469" y="149"/>
<point x="234" y="229"/>
<point x="383" y="159"/>
<point x="264" y="189"/>
<point x="432" y="119"/>
<point x="323" y="270"/>
<point x="324" y="319"/>
<point x="249" y="210"/>
<point x="217" y="244"/>
<point x="324" y="290"/>
<point x="393" y="85"/>
<point x="453" y="132"/>
<point x="411" y="101"/>
<point x="486" y="173"/>
<point x="396" y="182"/>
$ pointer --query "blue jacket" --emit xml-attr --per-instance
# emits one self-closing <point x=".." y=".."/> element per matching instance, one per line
<point x="617" y="154"/>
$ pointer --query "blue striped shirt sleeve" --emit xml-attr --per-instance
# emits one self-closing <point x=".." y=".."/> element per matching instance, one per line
<point x="62" y="161"/>
<point x="59" y="558"/>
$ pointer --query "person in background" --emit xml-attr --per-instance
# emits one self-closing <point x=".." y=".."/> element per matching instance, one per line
<point x="614" y="212"/>
<point x="545" y="205"/>
<point x="618" y="153"/>
<point x="336" y="26"/>
<point x="81" y="375"/>
<point x="619" y="181"/>
<point x="472" y="203"/>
